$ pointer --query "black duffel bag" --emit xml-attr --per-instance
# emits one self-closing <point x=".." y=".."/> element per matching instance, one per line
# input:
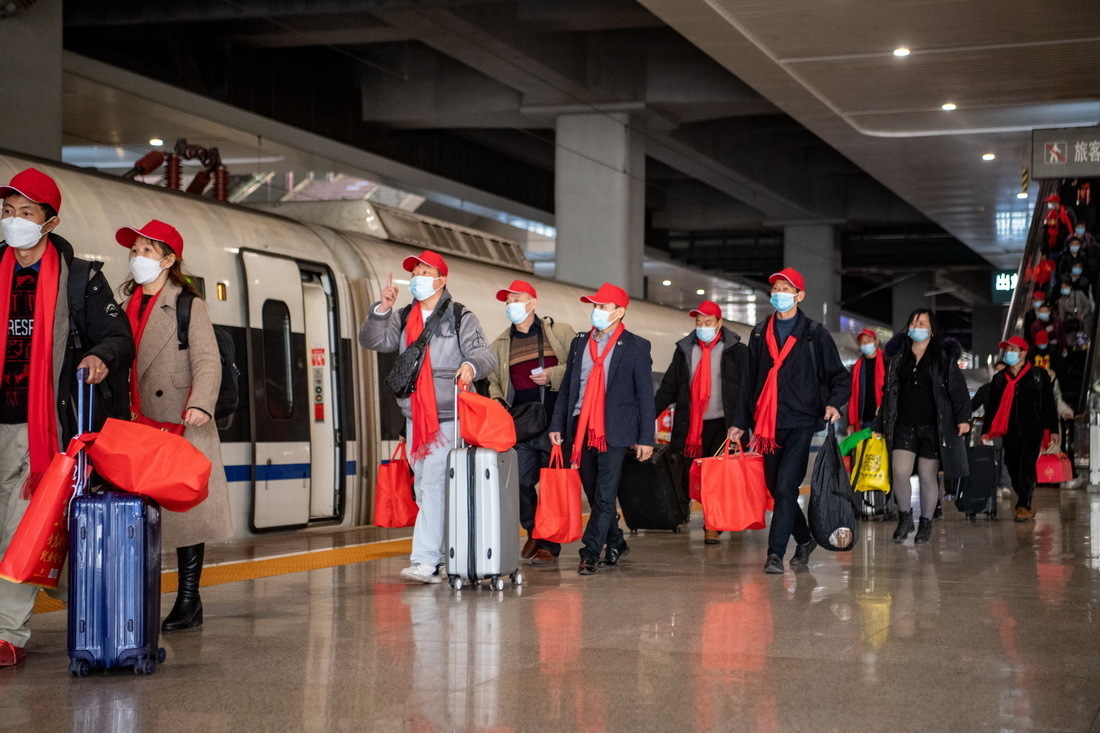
<point x="406" y="368"/>
<point x="833" y="507"/>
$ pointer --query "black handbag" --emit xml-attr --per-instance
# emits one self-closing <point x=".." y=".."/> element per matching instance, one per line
<point x="530" y="417"/>
<point x="402" y="377"/>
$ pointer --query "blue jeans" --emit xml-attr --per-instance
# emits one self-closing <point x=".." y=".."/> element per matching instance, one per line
<point x="783" y="471"/>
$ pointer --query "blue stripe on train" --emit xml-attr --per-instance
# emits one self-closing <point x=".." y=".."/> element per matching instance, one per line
<point x="277" y="472"/>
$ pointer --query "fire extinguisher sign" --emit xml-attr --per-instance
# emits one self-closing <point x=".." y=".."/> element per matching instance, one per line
<point x="317" y="360"/>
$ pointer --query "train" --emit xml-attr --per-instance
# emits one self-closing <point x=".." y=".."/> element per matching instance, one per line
<point x="291" y="282"/>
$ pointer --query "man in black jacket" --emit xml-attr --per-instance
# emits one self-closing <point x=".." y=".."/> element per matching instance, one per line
<point x="1021" y="409"/>
<point x="599" y="415"/>
<point x="700" y="433"/>
<point x="41" y="353"/>
<point x="790" y="388"/>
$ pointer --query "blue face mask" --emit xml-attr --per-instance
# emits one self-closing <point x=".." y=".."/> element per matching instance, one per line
<point x="1074" y="249"/>
<point x="1012" y="358"/>
<point x="421" y="287"/>
<point x="705" y="333"/>
<point x="919" y="334"/>
<point x="782" y="302"/>
<point x="1080" y="231"/>
<point x="1036" y="304"/>
<point x="1076" y="270"/>
<point x="1042" y="346"/>
<point x="868" y="349"/>
<point x="516" y="312"/>
<point x="1066" y="291"/>
<point x="602" y="320"/>
<point x="1043" y="316"/>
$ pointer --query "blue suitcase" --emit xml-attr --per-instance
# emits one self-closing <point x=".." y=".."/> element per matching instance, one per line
<point x="114" y="575"/>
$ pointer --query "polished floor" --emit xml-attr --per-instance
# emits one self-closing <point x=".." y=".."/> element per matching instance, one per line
<point x="993" y="626"/>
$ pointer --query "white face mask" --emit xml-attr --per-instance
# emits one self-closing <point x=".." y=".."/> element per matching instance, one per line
<point x="516" y="312"/>
<point x="145" y="269"/>
<point x="21" y="233"/>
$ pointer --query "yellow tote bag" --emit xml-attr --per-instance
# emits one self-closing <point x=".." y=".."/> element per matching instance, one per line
<point x="872" y="467"/>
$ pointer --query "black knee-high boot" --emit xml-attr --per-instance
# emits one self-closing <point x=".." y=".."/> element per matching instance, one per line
<point x="187" y="613"/>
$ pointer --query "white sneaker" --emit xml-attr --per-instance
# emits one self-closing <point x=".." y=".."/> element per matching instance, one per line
<point x="421" y="573"/>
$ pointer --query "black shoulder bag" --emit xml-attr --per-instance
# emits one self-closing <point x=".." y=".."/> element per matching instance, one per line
<point x="402" y="377"/>
<point x="530" y="417"/>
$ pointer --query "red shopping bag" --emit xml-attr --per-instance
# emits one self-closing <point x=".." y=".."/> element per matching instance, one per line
<point x="558" y="514"/>
<point x="735" y="495"/>
<point x="40" y="543"/>
<point x="394" y="503"/>
<point x="153" y="463"/>
<point x="485" y="423"/>
<point x="1053" y="468"/>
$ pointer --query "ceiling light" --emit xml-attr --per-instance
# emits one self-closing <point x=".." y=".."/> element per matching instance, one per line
<point x="948" y="106"/>
<point x="988" y="156"/>
<point x="901" y="51"/>
<point x="1022" y="195"/>
<point x="700" y="292"/>
<point x="666" y="283"/>
<point x="156" y="142"/>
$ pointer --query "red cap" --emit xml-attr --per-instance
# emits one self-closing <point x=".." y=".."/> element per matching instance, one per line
<point x="791" y="275"/>
<point x="157" y="230"/>
<point x="1041" y="338"/>
<point x="1016" y="341"/>
<point x="429" y="258"/>
<point x="706" y="308"/>
<point x="35" y="185"/>
<point x="1054" y="197"/>
<point x="866" y="332"/>
<point x="517" y="286"/>
<point x="608" y="293"/>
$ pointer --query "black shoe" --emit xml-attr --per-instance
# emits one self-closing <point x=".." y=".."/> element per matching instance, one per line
<point x="905" y="526"/>
<point x="587" y="567"/>
<point x="774" y="565"/>
<point x="187" y="612"/>
<point x="938" y="514"/>
<point x="924" y="531"/>
<point x="802" y="554"/>
<point x="612" y="556"/>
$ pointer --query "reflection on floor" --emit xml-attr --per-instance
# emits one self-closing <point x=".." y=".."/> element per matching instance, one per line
<point x="993" y="626"/>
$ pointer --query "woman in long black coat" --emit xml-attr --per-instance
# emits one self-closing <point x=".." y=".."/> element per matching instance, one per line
<point x="925" y="412"/>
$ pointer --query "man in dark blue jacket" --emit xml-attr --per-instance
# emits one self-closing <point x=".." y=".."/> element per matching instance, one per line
<point x="795" y="379"/>
<point x="604" y="408"/>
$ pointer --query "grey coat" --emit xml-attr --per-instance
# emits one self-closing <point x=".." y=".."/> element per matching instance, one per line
<point x="169" y="381"/>
<point x="447" y="349"/>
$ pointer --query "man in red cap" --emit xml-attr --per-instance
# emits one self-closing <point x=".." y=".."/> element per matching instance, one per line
<point x="604" y="408"/>
<point x="794" y="381"/>
<point x="868" y="380"/>
<point x="703" y="381"/>
<point x="39" y="279"/>
<point x="530" y="358"/>
<point x="456" y="349"/>
<point x="1021" y="409"/>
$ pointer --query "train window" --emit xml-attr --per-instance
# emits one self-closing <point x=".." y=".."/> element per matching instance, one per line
<point x="278" y="369"/>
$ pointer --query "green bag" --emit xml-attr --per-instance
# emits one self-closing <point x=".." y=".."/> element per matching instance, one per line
<point x="849" y="444"/>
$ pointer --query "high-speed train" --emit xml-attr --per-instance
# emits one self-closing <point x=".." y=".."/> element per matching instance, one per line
<point x="292" y="284"/>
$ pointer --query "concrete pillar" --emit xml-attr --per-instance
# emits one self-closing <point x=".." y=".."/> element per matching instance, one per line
<point x="909" y="294"/>
<point x="30" y="76"/>
<point x="599" y="192"/>
<point x="814" y="250"/>
<point x="988" y="323"/>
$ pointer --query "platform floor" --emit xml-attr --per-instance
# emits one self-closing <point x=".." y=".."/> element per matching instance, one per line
<point x="993" y="626"/>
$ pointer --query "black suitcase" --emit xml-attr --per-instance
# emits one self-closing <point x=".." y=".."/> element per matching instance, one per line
<point x="977" y="493"/>
<point x="650" y="492"/>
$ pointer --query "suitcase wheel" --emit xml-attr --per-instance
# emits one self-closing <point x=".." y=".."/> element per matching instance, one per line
<point x="633" y="532"/>
<point x="79" y="668"/>
<point x="497" y="583"/>
<point x="456" y="582"/>
<point x="161" y="655"/>
<point x="971" y="516"/>
<point x="516" y="578"/>
<point x="676" y="530"/>
<point x="145" y="665"/>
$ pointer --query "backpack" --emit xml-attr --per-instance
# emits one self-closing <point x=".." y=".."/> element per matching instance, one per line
<point x="481" y="386"/>
<point x="228" y="392"/>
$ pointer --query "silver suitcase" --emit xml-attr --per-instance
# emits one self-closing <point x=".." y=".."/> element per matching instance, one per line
<point x="482" y="516"/>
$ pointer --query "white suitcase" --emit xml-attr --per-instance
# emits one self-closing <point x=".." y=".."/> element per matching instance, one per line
<point x="482" y="515"/>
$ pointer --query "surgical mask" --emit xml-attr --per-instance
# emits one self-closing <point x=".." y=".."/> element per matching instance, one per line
<point x="421" y="287"/>
<point x="516" y="312"/>
<point x="145" y="269"/>
<point x="1042" y="346"/>
<point x="1066" y="291"/>
<point x="1074" y="249"/>
<point x="602" y="320"/>
<point x="1080" y="231"/>
<point x="21" y="233"/>
<point x="1043" y="316"/>
<point x="1036" y="304"/>
<point x="868" y="349"/>
<point x="919" y="334"/>
<point x="1012" y="358"/>
<point x="705" y="333"/>
<point x="782" y="302"/>
<point x="1076" y="270"/>
<point x="1051" y="205"/>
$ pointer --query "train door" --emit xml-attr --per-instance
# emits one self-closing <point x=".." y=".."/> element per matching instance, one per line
<point x="326" y="454"/>
<point x="280" y="408"/>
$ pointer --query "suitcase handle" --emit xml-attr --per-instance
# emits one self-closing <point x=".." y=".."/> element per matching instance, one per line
<point x="85" y="403"/>
<point x="458" y="436"/>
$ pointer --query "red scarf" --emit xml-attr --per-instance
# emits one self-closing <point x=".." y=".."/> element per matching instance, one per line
<point x="137" y="327"/>
<point x="425" y="412"/>
<point x="592" y="423"/>
<point x="700" y="398"/>
<point x="41" y="403"/>
<point x="767" y="407"/>
<point x="1004" y="411"/>
<point x="857" y="387"/>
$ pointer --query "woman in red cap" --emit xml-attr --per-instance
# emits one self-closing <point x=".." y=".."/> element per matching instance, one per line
<point x="1021" y="409"/>
<point x="173" y="385"/>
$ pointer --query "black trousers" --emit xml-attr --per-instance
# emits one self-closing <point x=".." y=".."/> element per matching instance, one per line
<point x="601" y="472"/>
<point x="533" y="456"/>
<point x="784" y="470"/>
<point x="1020" y="454"/>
